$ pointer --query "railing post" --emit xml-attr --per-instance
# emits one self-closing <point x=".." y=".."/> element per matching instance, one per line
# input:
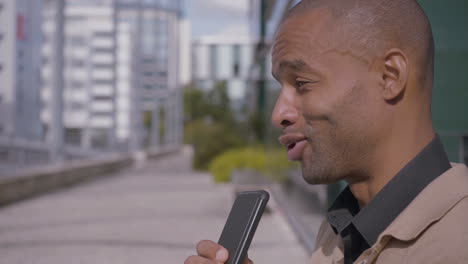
<point x="56" y="136"/>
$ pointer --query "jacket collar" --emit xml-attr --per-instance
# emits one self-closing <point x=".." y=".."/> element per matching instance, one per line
<point x="431" y="204"/>
<point x="395" y="196"/>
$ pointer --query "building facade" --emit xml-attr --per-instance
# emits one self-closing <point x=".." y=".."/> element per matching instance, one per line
<point x="20" y="61"/>
<point x="120" y="65"/>
<point x="223" y="59"/>
<point x="154" y="83"/>
<point x="88" y="73"/>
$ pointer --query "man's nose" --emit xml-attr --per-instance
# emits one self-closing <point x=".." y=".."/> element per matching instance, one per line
<point x="285" y="112"/>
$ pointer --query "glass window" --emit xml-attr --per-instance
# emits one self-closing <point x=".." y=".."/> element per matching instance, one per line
<point x="162" y="53"/>
<point x="103" y="50"/>
<point x="77" y="63"/>
<point x="149" y="35"/>
<point x="76" y="41"/>
<point x="102" y="82"/>
<point x="73" y="136"/>
<point x="103" y="34"/>
<point x="213" y="60"/>
<point x="76" y="106"/>
<point x="128" y="1"/>
<point x="99" y="138"/>
<point x="102" y="97"/>
<point x="129" y="17"/>
<point x="236" y="60"/>
<point x="75" y="84"/>
<point x="102" y="65"/>
<point x="151" y="2"/>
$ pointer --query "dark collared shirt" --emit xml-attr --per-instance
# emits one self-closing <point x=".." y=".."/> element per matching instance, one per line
<point x="360" y="229"/>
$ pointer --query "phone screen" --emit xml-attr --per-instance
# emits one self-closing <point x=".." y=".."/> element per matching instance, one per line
<point x="242" y="223"/>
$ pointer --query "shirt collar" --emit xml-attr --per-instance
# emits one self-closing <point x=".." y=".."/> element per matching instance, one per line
<point x="394" y="197"/>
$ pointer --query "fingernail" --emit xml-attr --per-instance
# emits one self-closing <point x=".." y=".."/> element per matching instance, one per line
<point x="221" y="255"/>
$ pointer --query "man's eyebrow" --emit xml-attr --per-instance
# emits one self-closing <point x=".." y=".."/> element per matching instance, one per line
<point x="295" y="65"/>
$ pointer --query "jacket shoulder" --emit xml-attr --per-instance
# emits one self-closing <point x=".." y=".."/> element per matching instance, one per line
<point x="445" y="240"/>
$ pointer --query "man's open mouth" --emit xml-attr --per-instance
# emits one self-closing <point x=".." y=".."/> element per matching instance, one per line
<point x="295" y="144"/>
<point x="290" y="146"/>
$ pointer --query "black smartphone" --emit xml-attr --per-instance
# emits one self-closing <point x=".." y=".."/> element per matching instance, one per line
<point x="241" y="224"/>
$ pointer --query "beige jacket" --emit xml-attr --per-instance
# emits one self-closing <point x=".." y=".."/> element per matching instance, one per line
<point x="432" y="229"/>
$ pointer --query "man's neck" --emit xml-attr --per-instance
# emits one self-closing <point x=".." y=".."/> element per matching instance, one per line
<point x="389" y="159"/>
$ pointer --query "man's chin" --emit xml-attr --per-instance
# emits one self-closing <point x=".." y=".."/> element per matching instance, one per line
<point x="314" y="176"/>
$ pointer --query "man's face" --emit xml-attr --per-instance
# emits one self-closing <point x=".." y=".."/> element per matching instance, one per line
<point x="329" y="102"/>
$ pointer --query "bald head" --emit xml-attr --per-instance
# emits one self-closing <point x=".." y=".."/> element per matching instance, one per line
<point x="369" y="28"/>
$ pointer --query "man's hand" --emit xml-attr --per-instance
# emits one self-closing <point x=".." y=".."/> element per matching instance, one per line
<point x="211" y="253"/>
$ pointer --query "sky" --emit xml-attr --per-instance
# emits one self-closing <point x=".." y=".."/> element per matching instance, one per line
<point x="217" y="17"/>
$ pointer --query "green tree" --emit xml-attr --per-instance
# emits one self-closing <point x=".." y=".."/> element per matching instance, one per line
<point x="210" y="125"/>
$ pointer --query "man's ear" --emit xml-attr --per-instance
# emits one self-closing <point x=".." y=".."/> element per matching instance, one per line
<point x="394" y="74"/>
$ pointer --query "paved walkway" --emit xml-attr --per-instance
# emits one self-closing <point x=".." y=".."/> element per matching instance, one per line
<point x="154" y="214"/>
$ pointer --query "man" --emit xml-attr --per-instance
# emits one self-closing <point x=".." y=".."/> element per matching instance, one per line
<point x="355" y="105"/>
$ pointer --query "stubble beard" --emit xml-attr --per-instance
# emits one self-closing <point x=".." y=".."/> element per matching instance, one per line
<point x="320" y="166"/>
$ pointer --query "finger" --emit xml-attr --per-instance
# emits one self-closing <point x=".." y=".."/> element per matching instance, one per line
<point x="199" y="260"/>
<point x="211" y="250"/>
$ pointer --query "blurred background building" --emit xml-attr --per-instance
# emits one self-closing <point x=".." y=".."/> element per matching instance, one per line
<point x="224" y="59"/>
<point x="20" y="62"/>
<point x="84" y="77"/>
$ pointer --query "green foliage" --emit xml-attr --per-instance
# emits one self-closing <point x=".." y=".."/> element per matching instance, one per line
<point x="257" y="125"/>
<point x="213" y="105"/>
<point x="273" y="164"/>
<point x="248" y="158"/>
<point x="210" y="125"/>
<point x="195" y="105"/>
<point x="210" y="140"/>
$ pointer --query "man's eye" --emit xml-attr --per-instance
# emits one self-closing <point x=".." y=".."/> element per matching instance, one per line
<point x="300" y="83"/>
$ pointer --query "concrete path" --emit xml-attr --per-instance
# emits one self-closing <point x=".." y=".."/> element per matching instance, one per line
<point x="154" y="214"/>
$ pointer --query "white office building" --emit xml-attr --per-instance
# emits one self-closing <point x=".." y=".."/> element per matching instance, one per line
<point x="153" y="81"/>
<point x="120" y="73"/>
<point x="88" y="73"/>
<point x="223" y="59"/>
